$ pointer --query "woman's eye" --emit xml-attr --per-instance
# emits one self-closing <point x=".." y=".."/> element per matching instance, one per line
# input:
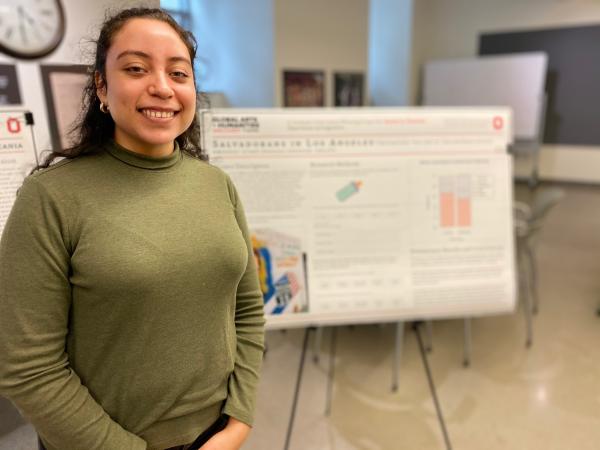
<point x="179" y="74"/>
<point x="135" y="69"/>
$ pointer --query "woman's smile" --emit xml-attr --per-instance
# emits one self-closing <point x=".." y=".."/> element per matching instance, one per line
<point x="158" y="114"/>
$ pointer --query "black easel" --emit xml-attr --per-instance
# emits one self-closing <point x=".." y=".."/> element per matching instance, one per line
<point x="423" y="351"/>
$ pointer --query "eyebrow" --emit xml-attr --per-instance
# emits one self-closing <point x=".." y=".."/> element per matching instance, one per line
<point x="147" y="56"/>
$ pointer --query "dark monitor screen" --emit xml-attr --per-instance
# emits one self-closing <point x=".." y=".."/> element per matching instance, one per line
<point x="573" y="79"/>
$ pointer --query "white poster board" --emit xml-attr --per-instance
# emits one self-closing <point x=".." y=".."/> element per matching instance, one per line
<point x="17" y="157"/>
<point x="401" y="213"/>
<point x="516" y="81"/>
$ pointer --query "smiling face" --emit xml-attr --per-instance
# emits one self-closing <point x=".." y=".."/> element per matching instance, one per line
<point x="149" y="86"/>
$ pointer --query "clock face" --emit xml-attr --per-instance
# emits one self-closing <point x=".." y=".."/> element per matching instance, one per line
<point x="30" y="28"/>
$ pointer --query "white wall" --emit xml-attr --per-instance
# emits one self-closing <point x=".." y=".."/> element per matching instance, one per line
<point x="450" y="28"/>
<point x="329" y="35"/>
<point x="83" y="18"/>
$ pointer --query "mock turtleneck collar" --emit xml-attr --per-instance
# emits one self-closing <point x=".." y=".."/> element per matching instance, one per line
<point x="144" y="161"/>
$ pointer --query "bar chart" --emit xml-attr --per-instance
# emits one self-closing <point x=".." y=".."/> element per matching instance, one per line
<point x="455" y="201"/>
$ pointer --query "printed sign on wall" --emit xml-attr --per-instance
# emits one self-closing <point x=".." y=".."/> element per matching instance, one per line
<point x="17" y="157"/>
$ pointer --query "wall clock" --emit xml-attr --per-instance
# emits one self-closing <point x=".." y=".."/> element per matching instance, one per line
<point x="31" y="29"/>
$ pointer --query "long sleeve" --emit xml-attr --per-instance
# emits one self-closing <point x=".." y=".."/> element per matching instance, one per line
<point x="249" y="325"/>
<point x="35" y="301"/>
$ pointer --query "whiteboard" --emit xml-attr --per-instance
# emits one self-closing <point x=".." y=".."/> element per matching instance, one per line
<point x="515" y="80"/>
<point x="373" y="214"/>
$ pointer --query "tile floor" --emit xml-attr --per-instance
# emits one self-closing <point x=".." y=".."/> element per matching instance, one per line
<point x="545" y="397"/>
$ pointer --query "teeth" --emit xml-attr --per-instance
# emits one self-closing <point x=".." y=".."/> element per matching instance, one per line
<point x="157" y="114"/>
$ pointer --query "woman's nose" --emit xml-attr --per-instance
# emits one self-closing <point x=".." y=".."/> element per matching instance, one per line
<point x="160" y="87"/>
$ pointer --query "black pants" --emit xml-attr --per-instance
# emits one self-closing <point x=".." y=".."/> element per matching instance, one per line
<point x="219" y="424"/>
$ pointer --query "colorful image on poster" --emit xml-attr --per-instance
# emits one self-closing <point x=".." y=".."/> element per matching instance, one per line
<point x="280" y="265"/>
<point x="348" y="190"/>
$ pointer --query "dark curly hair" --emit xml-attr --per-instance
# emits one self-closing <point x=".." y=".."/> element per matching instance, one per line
<point x="93" y="128"/>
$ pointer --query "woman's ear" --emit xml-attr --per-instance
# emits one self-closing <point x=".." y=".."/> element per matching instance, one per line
<point x="100" y="86"/>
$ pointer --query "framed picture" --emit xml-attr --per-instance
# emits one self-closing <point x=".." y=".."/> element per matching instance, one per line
<point x="10" y="93"/>
<point x="348" y="89"/>
<point x="63" y="89"/>
<point x="303" y="88"/>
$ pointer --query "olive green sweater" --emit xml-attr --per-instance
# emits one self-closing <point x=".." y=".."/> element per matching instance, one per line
<point x="130" y="310"/>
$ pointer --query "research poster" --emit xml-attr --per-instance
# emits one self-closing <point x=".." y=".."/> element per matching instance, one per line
<point x="399" y="213"/>
<point x="17" y="157"/>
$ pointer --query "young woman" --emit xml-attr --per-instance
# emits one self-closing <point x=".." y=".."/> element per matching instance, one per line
<point x="130" y="310"/>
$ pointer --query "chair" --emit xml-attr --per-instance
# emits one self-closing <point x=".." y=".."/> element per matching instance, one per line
<point x="528" y="221"/>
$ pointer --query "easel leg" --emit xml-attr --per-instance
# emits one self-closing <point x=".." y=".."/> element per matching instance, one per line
<point x="429" y="331"/>
<point x="297" y="391"/>
<point x="467" y="355"/>
<point x="397" y="355"/>
<point x="527" y="308"/>
<point x="331" y="373"/>
<point x="432" y="386"/>
<point x="317" y="344"/>
<point x="533" y="279"/>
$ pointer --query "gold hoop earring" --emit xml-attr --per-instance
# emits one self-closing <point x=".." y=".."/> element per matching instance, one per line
<point x="103" y="108"/>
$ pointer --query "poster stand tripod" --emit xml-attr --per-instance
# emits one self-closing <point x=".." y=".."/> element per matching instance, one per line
<point x="331" y="372"/>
